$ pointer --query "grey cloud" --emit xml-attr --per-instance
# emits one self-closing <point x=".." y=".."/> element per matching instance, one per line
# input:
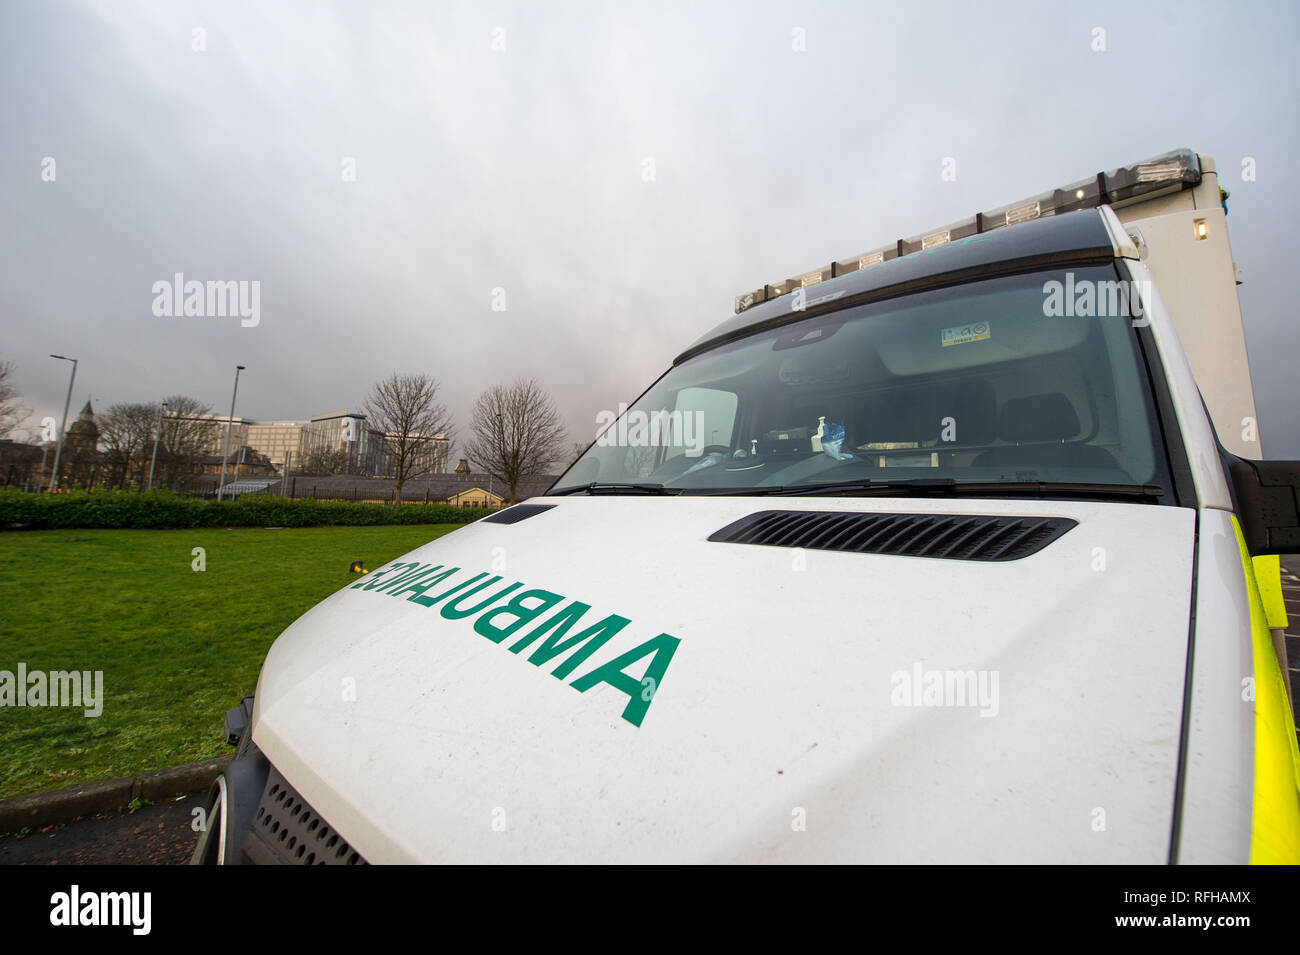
<point x="522" y="169"/>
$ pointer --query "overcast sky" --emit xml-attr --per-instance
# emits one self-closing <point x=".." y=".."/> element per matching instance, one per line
<point x="620" y="170"/>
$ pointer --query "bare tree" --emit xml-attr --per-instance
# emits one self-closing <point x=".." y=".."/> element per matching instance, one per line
<point x="412" y="426"/>
<point x="517" y="433"/>
<point x="126" y="433"/>
<point x="12" y="412"/>
<point x="189" y="432"/>
<point x="345" y="445"/>
<point x="319" y="459"/>
<point x="19" y="462"/>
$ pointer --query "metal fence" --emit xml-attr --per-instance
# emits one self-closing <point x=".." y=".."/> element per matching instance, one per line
<point x="306" y="488"/>
<point x="361" y="489"/>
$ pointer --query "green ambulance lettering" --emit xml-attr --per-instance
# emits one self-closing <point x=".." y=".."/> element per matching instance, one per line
<point x="371" y="580"/>
<point x="408" y="572"/>
<point x="588" y="641"/>
<point x="417" y="578"/>
<point x="523" y="615"/>
<point x="418" y="582"/>
<point x="410" y="576"/>
<point x="426" y="601"/>
<point x="640" y="692"/>
<point x="452" y="610"/>
<point x="412" y="571"/>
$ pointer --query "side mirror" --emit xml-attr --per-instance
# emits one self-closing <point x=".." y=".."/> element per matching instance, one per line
<point x="1267" y="498"/>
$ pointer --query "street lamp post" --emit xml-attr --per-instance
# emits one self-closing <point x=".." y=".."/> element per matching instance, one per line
<point x="54" y="478"/>
<point x="157" y="434"/>
<point x="225" y="450"/>
<point x="501" y="443"/>
<point x="45" y="456"/>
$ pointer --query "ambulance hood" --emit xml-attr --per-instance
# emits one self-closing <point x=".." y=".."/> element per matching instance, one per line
<point x="602" y="682"/>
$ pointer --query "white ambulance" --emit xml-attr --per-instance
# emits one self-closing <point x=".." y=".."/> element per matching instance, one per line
<point x="956" y="551"/>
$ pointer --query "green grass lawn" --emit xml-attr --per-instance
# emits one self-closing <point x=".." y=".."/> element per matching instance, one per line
<point x="177" y="647"/>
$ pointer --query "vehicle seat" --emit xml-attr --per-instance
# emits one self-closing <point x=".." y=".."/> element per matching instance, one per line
<point x="1037" y="429"/>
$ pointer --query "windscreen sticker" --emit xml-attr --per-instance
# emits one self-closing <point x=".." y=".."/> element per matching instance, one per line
<point x="961" y="334"/>
<point x="528" y="616"/>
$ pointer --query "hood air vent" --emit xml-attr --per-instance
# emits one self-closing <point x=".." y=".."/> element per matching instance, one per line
<point x="513" y="515"/>
<point x="946" y="536"/>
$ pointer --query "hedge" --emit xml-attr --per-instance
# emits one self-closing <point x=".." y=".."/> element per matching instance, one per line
<point x="161" y="509"/>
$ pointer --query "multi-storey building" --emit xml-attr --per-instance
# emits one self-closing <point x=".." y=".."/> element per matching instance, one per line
<point x="430" y="456"/>
<point x="280" y="441"/>
<point x="335" y="442"/>
<point x="343" y="441"/>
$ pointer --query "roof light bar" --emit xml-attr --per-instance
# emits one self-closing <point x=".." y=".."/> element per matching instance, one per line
<point x="1158" y="171"/>
<point x="1023" y="213"/>
<point x="936" y="238"/>
<point x="1180" y="169"/>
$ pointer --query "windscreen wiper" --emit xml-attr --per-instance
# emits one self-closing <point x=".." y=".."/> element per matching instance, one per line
<point x="950" y="487"/>
<point x="596" y="487"/>
<point x="914" y="484"/>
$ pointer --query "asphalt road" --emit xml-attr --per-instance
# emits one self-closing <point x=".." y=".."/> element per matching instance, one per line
<point x="160" y="834"/>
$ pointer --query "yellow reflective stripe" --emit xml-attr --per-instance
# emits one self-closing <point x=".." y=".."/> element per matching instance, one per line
<point x="1275" y="815"/>
<point x="1268" y="575"/>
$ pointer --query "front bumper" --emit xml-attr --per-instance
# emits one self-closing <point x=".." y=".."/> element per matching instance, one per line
<point x="255" y="816"/>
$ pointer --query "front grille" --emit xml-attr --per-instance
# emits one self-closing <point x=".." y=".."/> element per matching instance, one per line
<point x="946" y="536"/>
<point x="287" y="831"/>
